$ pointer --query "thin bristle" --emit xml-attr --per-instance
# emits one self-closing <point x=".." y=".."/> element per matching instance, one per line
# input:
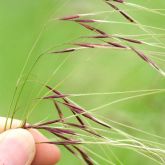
<point x="43" y="123"/>
<point x="65" y="50"/>
<point x="55" y="96"/>
<point x="84" y="156"/>
<point x="66" y="142"/>
<point x="59" y="111"/>
<point x="116" y="45"/>
<point x="131" y="40"/>
<point x="91" y="28"/>
<point x="127" y="16"/>
<point x="87" y="45"/>
<point x="85" y="20"/>
<point x="90" y="45"/>
<point x="146" y="59"/>
<point x="121" y="12"/>
<point x="56" y="130"/>
<point x="98" y="36"/>
<point x="71" y="150"/>
<point x="84" y="128"/>
<point x="76" y="125"/>
<point x="120" y="1"/>
<point x="72" y="17"/>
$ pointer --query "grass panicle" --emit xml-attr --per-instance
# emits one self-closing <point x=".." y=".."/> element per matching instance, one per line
<point x="75" y="134"/>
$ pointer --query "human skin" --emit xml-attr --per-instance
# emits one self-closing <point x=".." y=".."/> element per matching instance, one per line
<point x="21" y="147"/>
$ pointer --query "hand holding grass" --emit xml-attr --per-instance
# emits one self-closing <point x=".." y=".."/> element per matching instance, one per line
<point x="19" y="146"/>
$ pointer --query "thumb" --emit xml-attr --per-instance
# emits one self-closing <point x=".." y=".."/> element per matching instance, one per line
<point x="17" y="147"/>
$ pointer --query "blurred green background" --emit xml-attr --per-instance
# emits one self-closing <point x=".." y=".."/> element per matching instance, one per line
<point x="85" y="71"/>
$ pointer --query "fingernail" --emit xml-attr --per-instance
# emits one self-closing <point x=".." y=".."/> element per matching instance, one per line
<point x="17" y="147"/>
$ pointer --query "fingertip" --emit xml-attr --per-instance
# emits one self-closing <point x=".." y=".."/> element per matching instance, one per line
<point x="17" y="146"/>
<point x="46" y="154"/>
